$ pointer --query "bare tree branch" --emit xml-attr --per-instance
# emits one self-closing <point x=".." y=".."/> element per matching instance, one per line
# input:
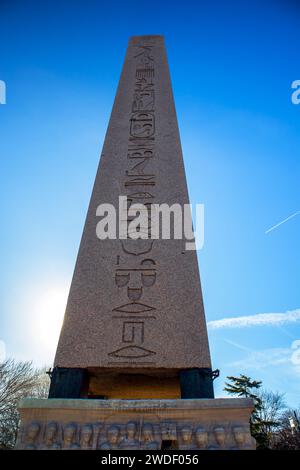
<point x="17" y="380"/>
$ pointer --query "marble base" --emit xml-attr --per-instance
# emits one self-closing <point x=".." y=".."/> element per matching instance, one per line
<point x="213" y="424"/>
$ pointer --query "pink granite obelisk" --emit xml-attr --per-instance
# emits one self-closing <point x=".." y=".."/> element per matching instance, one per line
<point x="136" y="305"/>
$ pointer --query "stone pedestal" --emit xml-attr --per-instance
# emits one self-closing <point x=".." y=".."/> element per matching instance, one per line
<point x="212" y="424"/>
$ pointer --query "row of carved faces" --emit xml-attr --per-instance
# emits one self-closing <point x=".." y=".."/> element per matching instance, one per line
<point x="54" y="435"/>
<point x="217" y="438"/>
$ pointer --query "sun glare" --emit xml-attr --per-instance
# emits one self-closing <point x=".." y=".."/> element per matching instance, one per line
<point x="49" y="312"/>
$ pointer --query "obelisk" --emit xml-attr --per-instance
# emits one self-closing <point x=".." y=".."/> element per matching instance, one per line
<point x="132" y="368"/>
<point x="136" y="305"/>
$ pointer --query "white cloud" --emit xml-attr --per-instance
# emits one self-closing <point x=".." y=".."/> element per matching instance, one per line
<point x="259" y="319"/>
<point x="257" y="360"/>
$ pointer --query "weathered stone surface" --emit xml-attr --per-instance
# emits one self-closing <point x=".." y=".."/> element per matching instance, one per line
<point x="137" y="303"/>
<point x="212" y="424"/>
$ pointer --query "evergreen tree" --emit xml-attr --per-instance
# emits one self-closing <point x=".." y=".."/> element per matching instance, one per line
<point x="261" y="422"/>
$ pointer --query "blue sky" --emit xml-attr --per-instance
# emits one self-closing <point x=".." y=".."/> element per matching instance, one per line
<point x="232" y="65"/>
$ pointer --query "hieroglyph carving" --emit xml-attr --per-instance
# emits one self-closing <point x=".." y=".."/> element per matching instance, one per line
<point x="135" y="272"/>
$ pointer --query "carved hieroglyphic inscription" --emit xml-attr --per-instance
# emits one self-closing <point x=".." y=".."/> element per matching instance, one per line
<point x="135" y="269"/>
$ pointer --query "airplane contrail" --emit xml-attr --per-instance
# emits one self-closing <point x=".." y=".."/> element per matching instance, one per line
<point x="282" y="222"/>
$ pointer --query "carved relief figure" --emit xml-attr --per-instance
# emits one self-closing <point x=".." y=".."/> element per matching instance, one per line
<point x="186" y="438"/>
<point x="70" y="432"/>
<point x="32" y="433"/>
<point x="148" y="438"/>
<point x="113" y="435"/>
<point x="201" y="437"/>
<point x="240" y="435"/>
<point x="220" y="438"/>
<point x="169" y="431"/>
<point x="86" y="436"/>
<point x="129" y="441"/>
<point x="50" y="438"/>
